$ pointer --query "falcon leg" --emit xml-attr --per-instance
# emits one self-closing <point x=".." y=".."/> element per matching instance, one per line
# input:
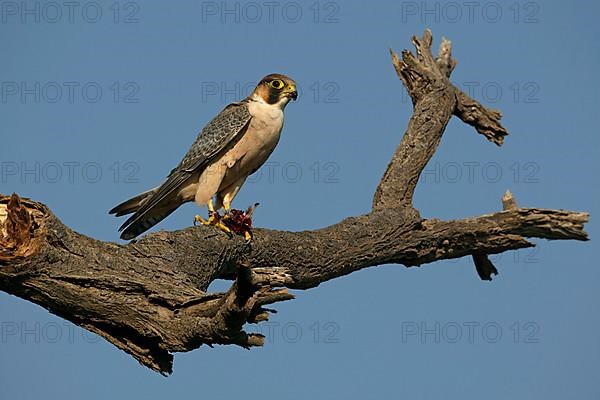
<point x="212" y="216"/>
<point x="225" y="197"/>
<point x="214" y="219"/>
<point x="227" y="208"/>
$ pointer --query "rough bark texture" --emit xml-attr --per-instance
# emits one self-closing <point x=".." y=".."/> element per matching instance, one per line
<point x="149" y="297"/>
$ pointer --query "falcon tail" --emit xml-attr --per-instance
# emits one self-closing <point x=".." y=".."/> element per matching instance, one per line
<point x="138" y="224"/>
<point x="135" y="225"/>
<point x="131" y="205"/>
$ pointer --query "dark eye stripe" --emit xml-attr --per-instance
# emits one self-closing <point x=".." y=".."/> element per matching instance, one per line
<point x="273" y="97"/>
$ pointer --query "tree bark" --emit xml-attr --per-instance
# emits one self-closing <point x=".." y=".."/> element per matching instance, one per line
<point x="149" y="297"/>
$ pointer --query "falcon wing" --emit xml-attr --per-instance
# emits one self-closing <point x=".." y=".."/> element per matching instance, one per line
<point x="219" y="135"/>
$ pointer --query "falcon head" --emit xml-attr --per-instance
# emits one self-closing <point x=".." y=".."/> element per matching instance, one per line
<point x="276" y="89"/>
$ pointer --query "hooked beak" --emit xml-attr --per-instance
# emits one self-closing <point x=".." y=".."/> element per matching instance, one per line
<point x="291" y="91"/>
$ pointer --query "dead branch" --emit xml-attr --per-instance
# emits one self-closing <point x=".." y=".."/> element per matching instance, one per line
<point x="149" y="298"/>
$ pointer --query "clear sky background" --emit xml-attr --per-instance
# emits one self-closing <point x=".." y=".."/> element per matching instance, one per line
<point x="98" y="107"/>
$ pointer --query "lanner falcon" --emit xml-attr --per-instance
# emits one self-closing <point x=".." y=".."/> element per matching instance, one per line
<point x="230" y="148"/>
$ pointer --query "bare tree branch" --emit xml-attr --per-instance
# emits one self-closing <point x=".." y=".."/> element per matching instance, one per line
<point x="435" y="100"/>
<point x="150" y="297"/>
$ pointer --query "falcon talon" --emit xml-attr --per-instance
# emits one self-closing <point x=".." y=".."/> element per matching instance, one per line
<point x="211" y="219"/>
<point x="199" y="220"/>
<point x="224" y="228"/>
<point x="234" y="144"/>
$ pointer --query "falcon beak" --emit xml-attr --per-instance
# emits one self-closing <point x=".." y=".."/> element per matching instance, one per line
<point x="291" y="92"/>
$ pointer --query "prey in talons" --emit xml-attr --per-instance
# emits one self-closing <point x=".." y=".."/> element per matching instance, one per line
<point x="215" y="220"/>
<point x="240" y="222"/>
<point x="233" y="221"/>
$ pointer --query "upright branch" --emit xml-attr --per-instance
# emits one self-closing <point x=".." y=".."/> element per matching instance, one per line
<point x="435" y="100"/>
<point x="149" y="298"/>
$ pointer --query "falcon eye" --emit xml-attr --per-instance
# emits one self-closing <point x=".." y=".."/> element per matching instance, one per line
<point x="276" y="84"/>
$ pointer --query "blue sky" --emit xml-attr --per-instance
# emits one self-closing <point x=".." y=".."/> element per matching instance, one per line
<point x="101" y="99"/>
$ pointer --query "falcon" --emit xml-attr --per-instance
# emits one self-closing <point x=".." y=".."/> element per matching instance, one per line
<point x="231" y="147"/>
